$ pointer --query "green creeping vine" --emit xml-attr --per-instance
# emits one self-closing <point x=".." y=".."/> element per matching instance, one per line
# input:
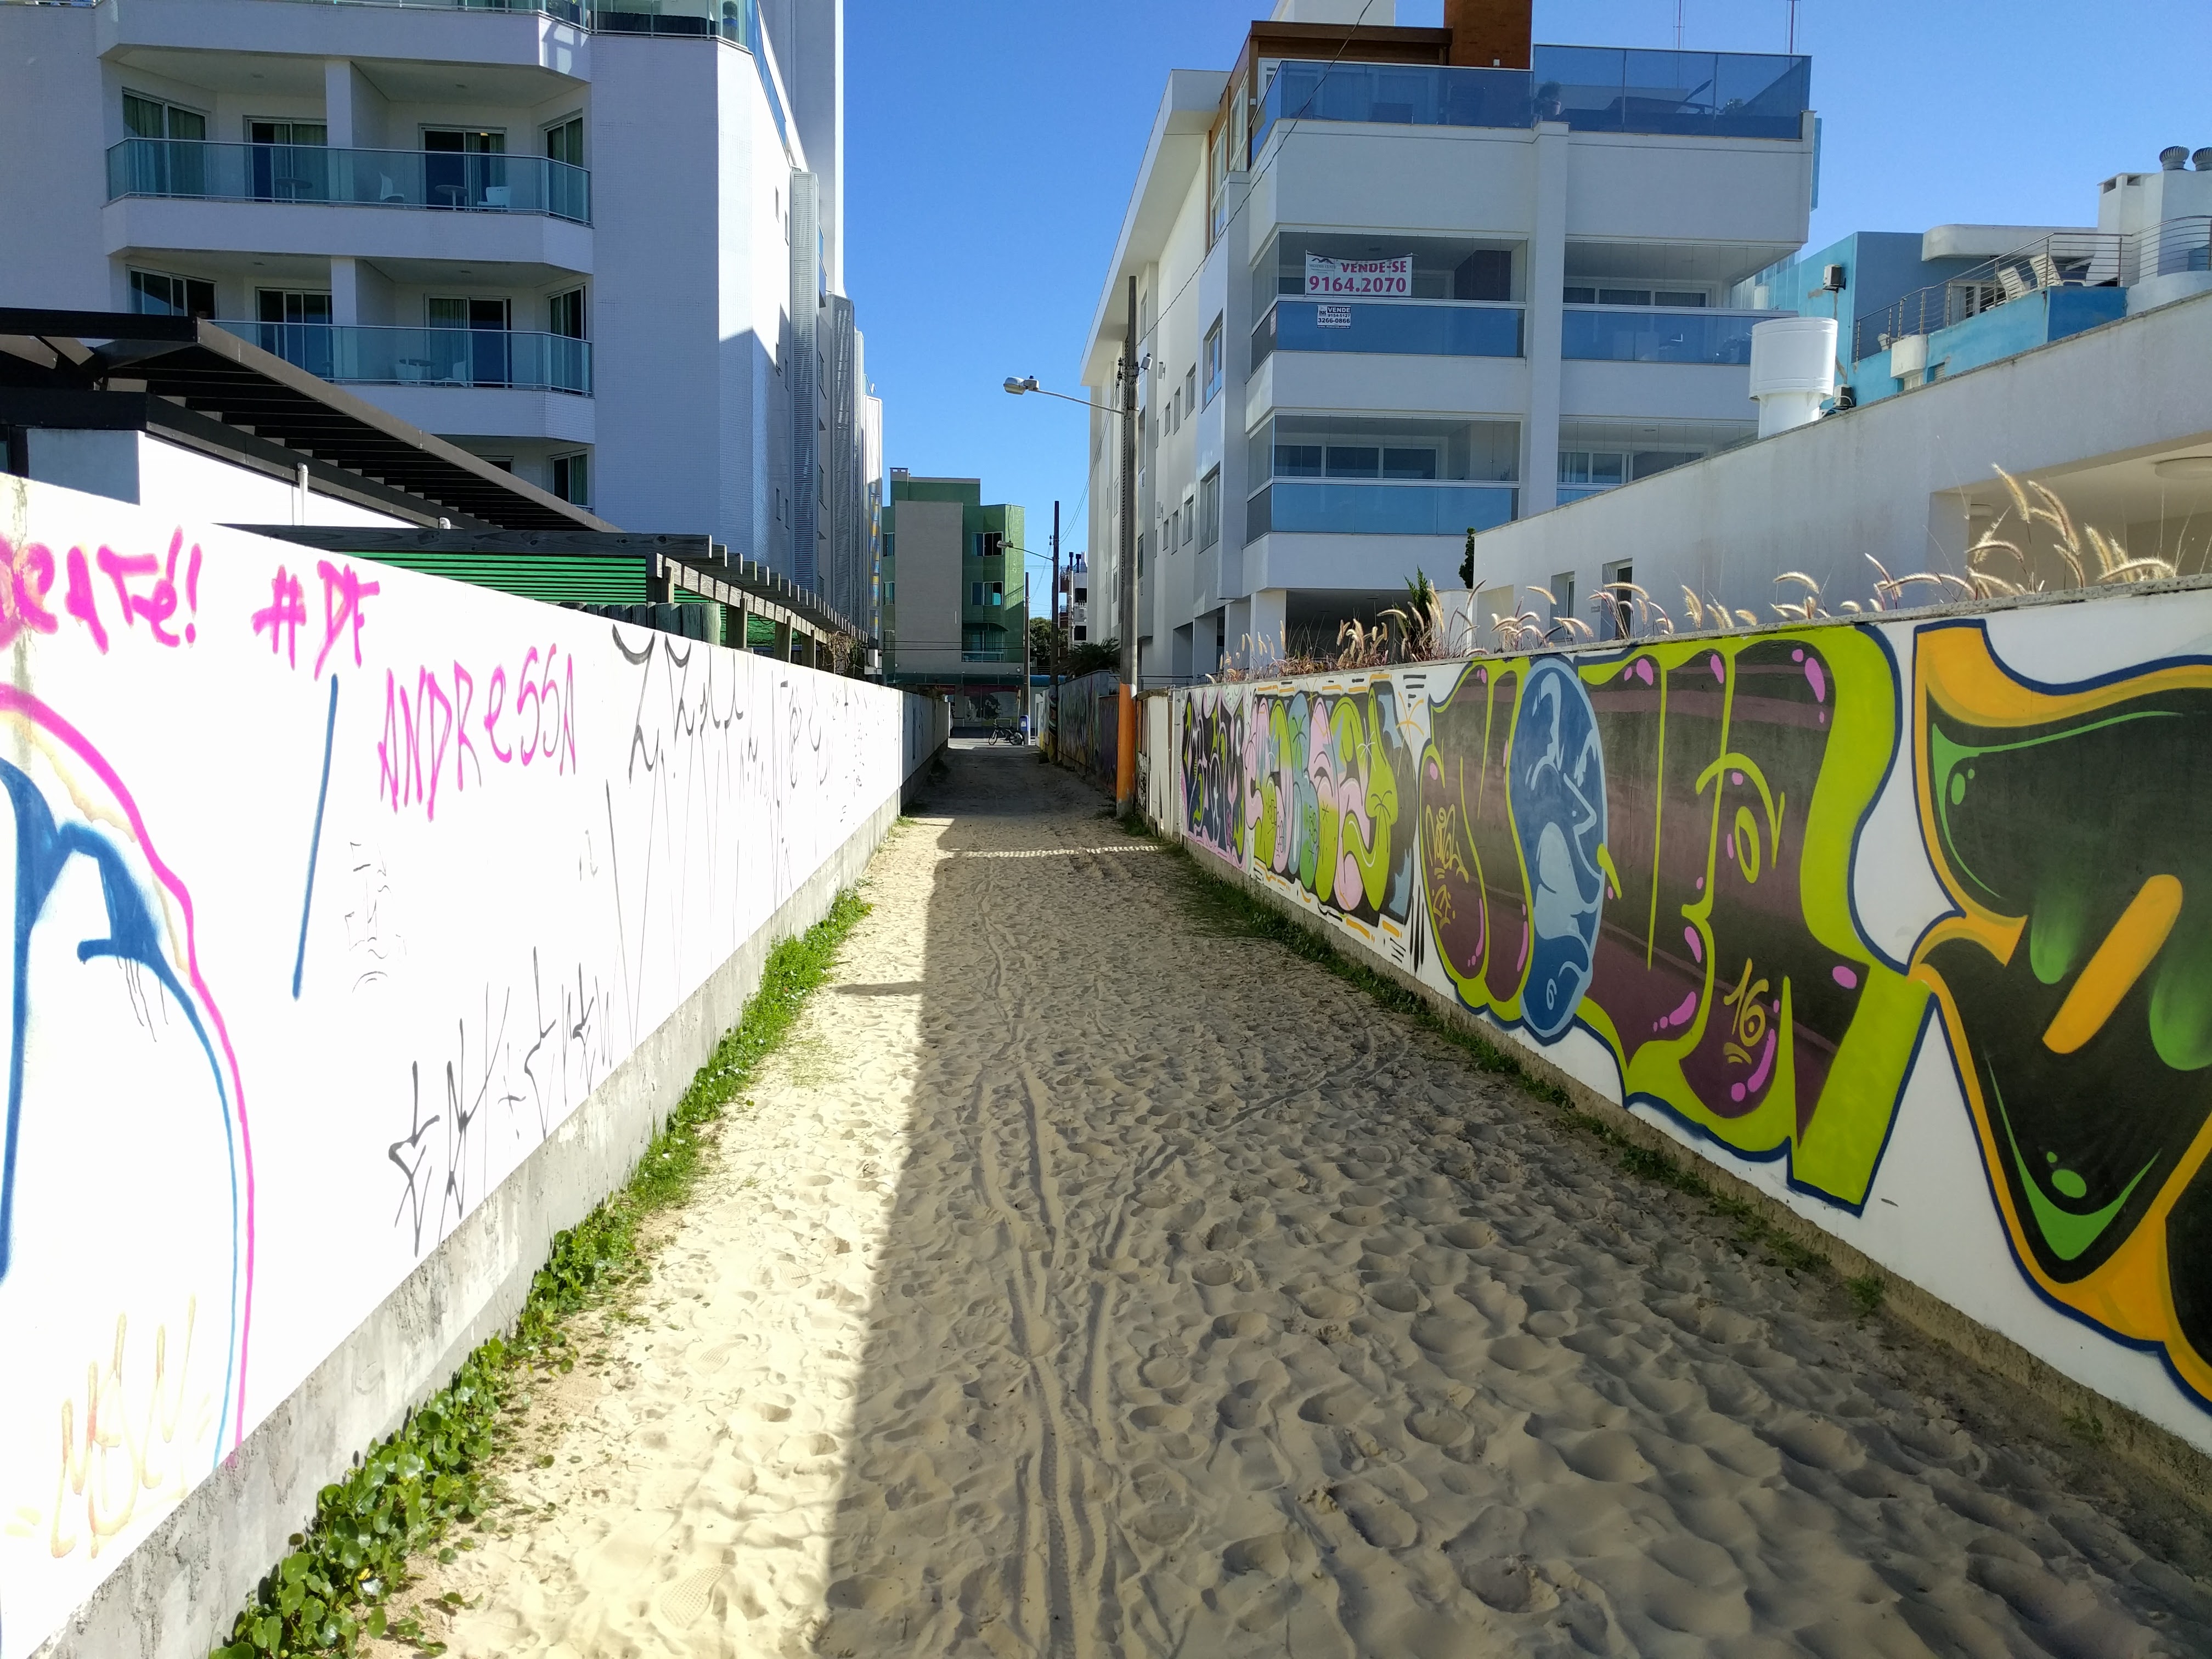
<point x="411" y="1489"/>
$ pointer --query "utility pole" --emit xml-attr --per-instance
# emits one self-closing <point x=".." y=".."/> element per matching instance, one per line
<point x="1022" y="703"/>
<point x="1051" y="703"/>
<point x="1125" y="768"/>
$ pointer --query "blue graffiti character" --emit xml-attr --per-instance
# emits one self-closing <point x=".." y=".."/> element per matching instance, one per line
<point x="1558" y="818"/>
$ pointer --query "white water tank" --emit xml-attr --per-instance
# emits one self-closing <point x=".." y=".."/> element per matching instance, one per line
<point x="1793" y="370"/>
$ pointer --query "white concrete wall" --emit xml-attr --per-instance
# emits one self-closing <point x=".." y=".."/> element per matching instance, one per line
<point x="1879" y="480"/>
<point x="328" y="938"/>
<point x="183" y="483"/>
<point x="686" y="263"/>
<point x="1773" y="894"/>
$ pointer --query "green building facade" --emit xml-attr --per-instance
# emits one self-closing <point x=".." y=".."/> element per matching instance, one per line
<point x="955" y="600"/>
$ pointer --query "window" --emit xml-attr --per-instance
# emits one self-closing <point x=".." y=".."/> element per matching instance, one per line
<point x="1083" y="596"/>
<point x="157" y="294"/>
<point x="997" y="594"/>
<point x="470" y="344"/>
<point x="1599" y="468"/>
<point x="1209" y="509"/>
<point x="1354" y="461"/>
<point x="890" y="593"/>
<point x="1297" y="460"/>
<point x="1562" y="596"/>
<point x="1189" y="519"/>
<point x="975" y="596"/>
<point x="1409" y="464"/>
<point x="465" y="168"/>
<point x="150" y="117"/>
<point x="1213" y="361"/>
<point x="989" y="543"/>
<point x="504" y="462"/>
<point x="564" y="314"/>
<point x="1617" y="578"/>
<point x="571" y="478"/>
<point x="1175" y="530"/>
<point x="295" y="324"/>
<point x="565" y="141"/>
<point x="1678" y="299"/>
<point x="1190" y="389"/>
<point x="290" y="306"/>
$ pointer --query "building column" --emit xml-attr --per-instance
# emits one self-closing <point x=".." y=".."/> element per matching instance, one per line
<point x="345" y="290"/>
<point x="1547" y="274"/>
<point x="1270" y="610"/>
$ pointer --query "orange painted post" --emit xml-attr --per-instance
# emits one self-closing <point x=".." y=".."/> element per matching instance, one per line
<point x="1125" y="758"/>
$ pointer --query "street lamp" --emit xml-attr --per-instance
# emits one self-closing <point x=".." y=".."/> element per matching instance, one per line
<point x="1125" y="781"/>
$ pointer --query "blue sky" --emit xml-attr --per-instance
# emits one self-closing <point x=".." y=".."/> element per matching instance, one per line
<point x="993" y="145"/>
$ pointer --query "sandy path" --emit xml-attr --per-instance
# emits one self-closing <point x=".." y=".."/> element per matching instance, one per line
<point x="1082" y="1283"/>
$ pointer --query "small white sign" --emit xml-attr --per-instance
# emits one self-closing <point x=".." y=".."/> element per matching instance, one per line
<point x="1369" y="278"/>
<point x="1331" y="316"/>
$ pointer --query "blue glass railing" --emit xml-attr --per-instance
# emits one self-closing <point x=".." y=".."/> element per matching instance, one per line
<point x="1582" y="492"/>
<point x="1637" y="335"/>
<point x="1379" y="509"/>
<point x="1591" y="89"/>
<point x="1431" y="328"/>
<point x="364" y="177"/>
<point x="1702" y="95"/>
<point x="482" y="357"/>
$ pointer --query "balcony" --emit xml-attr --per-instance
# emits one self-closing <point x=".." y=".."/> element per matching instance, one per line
<point x="451" y="181"/>
<point x="1379" y="509"/>
<point x="1591" y="89"/>
<point x="2064" y="259"/>
<point x="476" y="357"/>
<point x="1424" y="328"/>
<point x="1641" y="334"/>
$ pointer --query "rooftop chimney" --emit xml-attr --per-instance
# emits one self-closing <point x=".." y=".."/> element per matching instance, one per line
<point x="1490" y="33"/>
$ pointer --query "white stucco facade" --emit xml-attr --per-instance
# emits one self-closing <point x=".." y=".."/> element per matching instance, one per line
<point x="562" y="237"/>
<point x="1562" y="325"/>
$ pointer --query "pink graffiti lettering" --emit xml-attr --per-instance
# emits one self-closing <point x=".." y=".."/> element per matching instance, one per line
<point x="528" y="694"/>
<point x="159" y="603"/>
<point x="30" y="570"/>
<point x="427" y="745"/>
<point x="343" y="592"/>
<point x="284" y="616"/>
<point x="497" y="698"/>
<point x="81" y="601"/>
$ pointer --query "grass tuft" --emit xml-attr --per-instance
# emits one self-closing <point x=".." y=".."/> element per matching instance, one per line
<point x="415" y="1490"/>
<point x="1867" y="1293"/>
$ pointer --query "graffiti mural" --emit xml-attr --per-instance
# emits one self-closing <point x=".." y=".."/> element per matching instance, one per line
<point x="1328" y="775"/>
<point x="1654" y="861"/>
<point x="334" y="893"/>
<point x="1212" y="775"/>
<point x="1090" y="726"/>
<point x="2075" y="977"/>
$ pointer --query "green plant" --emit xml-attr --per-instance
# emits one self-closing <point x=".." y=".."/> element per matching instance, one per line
<point x="1867" y="1293"/>
<point x="411" y="1490"/>
<point x="2086" y="1426"/>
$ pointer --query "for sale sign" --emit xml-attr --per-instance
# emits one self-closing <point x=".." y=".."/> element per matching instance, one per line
<point x="1383" y="278"/>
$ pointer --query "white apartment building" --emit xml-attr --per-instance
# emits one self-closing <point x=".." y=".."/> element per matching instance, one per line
<point x="599" y="242"/>
<point x="1396" y="284"/>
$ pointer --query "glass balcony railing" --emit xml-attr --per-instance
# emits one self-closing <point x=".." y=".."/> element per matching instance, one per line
<point x="1642" y="335"/>
<point x="364" y="178"/>
<point x="485" y="357"/>
<point x="1379" y="509"/>
<point x="1696" y="95"/>
<point x="1434" y="328"/>
<point x="1704" y="94"/>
